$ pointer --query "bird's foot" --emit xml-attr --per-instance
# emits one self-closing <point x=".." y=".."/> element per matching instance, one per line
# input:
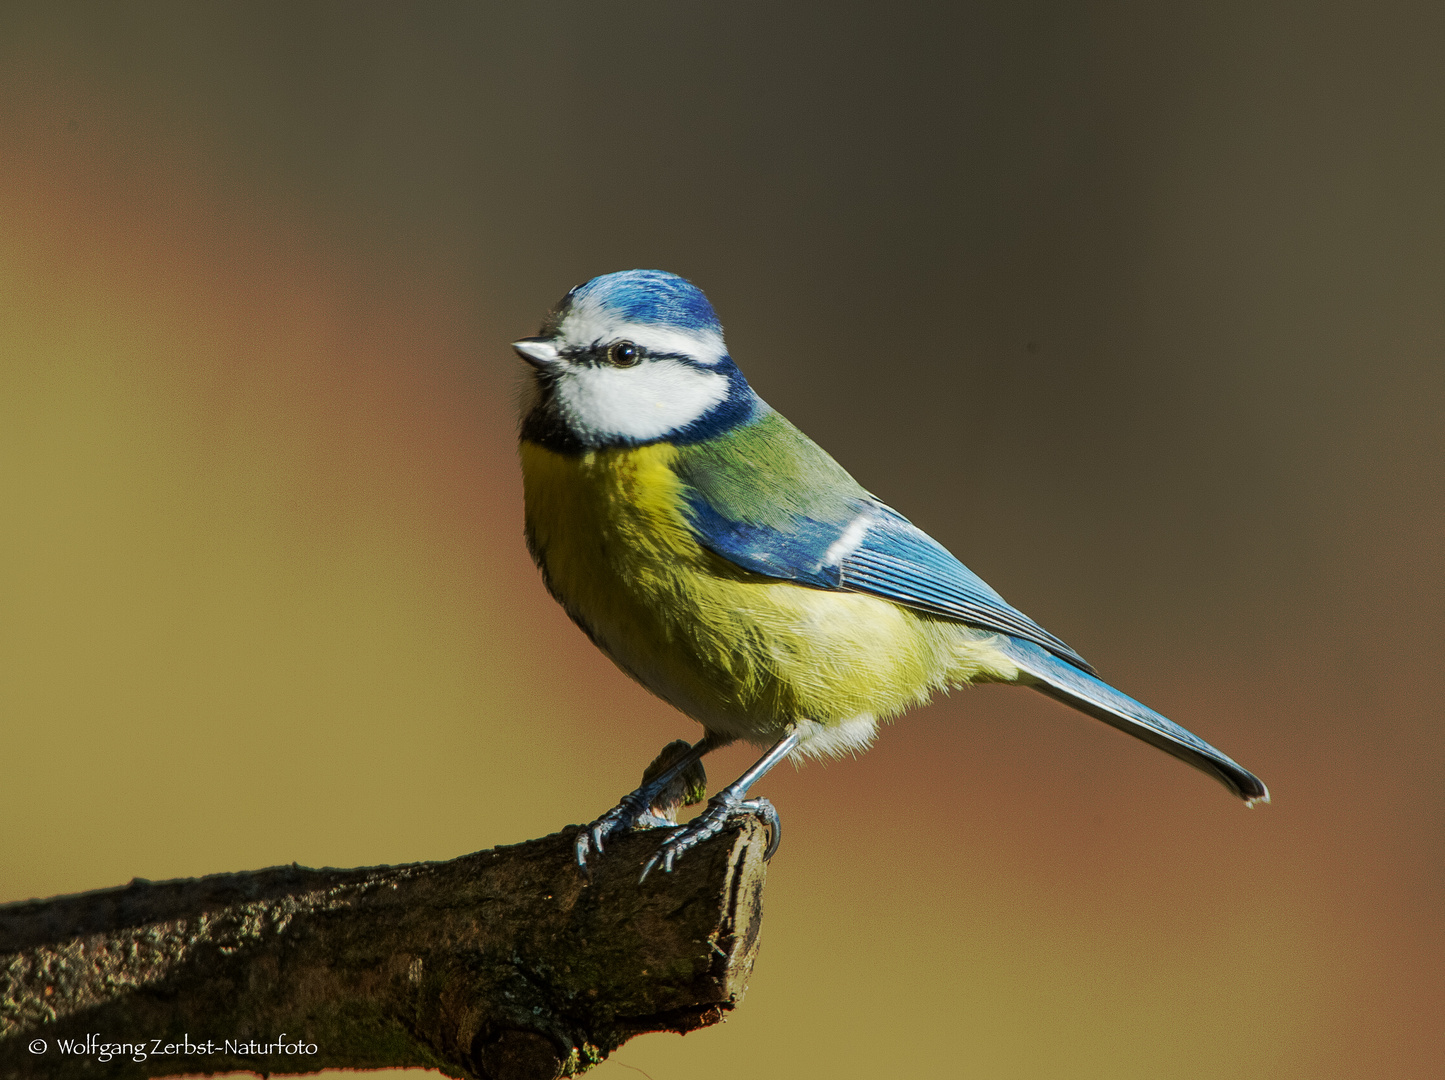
<point x="721" y="808"/>
<point x="674" y="779"/>
<point x="633" y="812"/>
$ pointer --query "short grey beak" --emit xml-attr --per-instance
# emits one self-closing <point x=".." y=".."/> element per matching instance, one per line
<point x="539" y="352"/>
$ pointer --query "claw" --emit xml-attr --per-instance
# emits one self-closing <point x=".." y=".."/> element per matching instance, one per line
<point x="589" y="841"/>
<point x="769" y="813"/>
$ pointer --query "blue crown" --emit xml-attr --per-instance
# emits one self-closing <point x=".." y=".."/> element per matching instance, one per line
<point x="652" y="297"/>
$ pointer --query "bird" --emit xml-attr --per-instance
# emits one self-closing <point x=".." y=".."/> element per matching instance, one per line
<point x="722" y="559"/>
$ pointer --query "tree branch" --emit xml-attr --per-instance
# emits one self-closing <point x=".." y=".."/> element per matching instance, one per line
<point x="503" y="964"/>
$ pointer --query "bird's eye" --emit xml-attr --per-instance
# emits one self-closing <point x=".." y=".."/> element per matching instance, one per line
<point x="623" y="354"/>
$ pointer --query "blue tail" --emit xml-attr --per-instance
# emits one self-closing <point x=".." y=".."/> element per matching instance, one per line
<point x="1077" y="688"/>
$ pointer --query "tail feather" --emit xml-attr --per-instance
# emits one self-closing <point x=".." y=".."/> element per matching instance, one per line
<point x="1074" y="687"/>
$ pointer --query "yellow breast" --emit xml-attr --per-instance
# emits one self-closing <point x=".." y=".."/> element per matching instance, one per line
<point x="745" y="655"/>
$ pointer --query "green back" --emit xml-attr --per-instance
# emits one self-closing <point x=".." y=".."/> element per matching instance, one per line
<point x="768" y="473"/>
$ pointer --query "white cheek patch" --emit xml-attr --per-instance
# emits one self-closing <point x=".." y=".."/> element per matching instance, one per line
<point x="587" y="324"/>
<point x="644" y="402"/>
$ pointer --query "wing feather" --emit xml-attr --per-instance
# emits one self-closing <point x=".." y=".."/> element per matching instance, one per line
<point x="876" y="551"/>
<point x="899" y="561"/>
<point x="798" y="517"/>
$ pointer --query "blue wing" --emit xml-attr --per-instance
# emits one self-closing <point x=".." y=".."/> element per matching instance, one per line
<point x="877" y="551"/>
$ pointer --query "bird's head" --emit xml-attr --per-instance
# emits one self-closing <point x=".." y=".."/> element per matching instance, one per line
<point x="631" y="358"/>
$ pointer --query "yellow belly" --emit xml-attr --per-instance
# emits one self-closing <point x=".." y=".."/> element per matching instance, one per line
<point x="743" y="654"/>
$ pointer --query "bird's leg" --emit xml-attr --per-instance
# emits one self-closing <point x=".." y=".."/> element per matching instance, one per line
<point x="636" y="808"/>
<point x="687" y="788"/>
<point x="732" y="800"/>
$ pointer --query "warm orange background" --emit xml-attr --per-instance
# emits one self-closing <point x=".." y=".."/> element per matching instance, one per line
<point x="1139" y="311"/>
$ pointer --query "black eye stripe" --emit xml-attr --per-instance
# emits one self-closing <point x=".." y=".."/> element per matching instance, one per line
<point x="598" y="354"/>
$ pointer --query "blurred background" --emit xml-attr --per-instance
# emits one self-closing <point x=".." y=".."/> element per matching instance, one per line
<point x="1137" y="308"/>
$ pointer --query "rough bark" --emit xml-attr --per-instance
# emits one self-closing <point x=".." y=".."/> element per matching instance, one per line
<point x="504" y="964"/>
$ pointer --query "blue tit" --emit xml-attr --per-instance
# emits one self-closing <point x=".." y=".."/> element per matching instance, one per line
<point x="722" y="559"/>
